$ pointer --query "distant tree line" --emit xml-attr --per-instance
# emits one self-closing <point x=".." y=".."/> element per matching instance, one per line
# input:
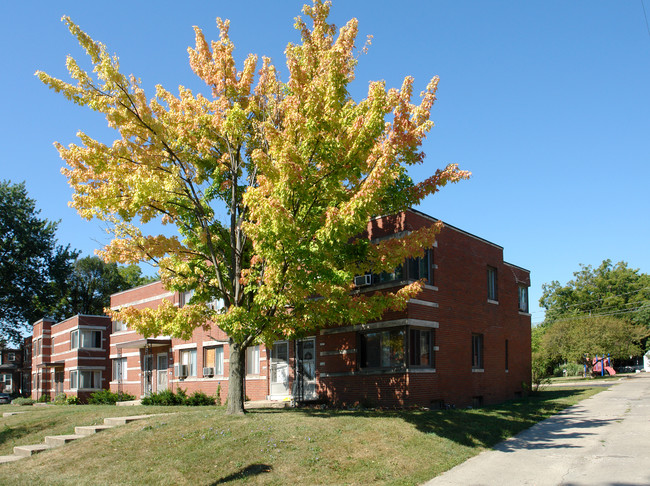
<point x="41" y="278"/>
<point x="603" y="310"/>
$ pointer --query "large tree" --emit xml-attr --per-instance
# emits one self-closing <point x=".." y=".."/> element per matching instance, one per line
<point x="269" y="183"/>
<point x="31" y="263"/>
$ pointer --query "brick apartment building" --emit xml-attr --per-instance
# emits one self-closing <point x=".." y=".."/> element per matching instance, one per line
<point x="465" y="340"/>
<point x="70" y="356"/>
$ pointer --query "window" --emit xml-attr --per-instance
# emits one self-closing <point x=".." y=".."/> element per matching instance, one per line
<point x="185" y="297"/>
<point x="420" y="267"/>
<point x="188" y="358"/>
<point x="397" y="274"/>
<point x="477" y="351"/>
<point x="253" y="360"/>
<point x="213" y="358"/>
<point x="119" y="326"/>
<point x="37" y="346"/>
<point x="119" y="370"/>
<point x="85" y="338"/>
<point x="6" y="379"/>
<point x="506" y="355"/>
<point x="523" y="298"/>
<point x="382" y="349"/>
<point x="11" y="357"/>
<point x="85" y="379"/>
<point x="421" y="348"/>
<point x="492" y="283"/>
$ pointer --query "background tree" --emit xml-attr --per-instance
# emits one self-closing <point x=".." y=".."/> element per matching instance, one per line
<point x="606" y="290"/>
<point x="603" y="310"/>
<point x="269" y="184"/>
<point x="31" y="262"/>
<point x="90" y="284"/>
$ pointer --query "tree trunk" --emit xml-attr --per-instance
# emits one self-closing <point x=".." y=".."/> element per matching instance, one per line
<point x="236" y="379"/>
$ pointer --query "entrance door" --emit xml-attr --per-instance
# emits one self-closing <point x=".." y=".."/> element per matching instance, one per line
<point x="280" y="370"/>
<point x="58" y="382"/>
<point x="305" y="384"/>
<point x="147" y="367"/>
<point x="161" y="372"/>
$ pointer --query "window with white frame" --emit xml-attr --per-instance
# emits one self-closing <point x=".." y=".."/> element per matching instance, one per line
<point x="119" y="326"/>
<point x="213" y="358"/>
<point x="85" y="338"/>
<point x="37" y="346"/>
<point x="253" y="360"/>
<point x="11" y="357"/>
<point x="492" y="284"/>
<point x="7" y="380"/>
<point x="523" y="298"/>
<point x="119" y="370"/>
<point x="188" y="358"/>
<point x="185" y="297"/>
<point x="85" y="379"/>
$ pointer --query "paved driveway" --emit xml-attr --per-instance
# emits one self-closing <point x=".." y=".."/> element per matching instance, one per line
<point x="604" y="440"/>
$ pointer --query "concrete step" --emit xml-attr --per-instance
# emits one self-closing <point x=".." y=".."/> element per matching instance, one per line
<point x="9" y="414"/>
<point x="59" y="440"/>
<point x="128" y="403"/>
<point x="91" y="429"/>
<point x="10" y="458"/>
<point x="124" y="420"/>
<point x="28" y="450"/>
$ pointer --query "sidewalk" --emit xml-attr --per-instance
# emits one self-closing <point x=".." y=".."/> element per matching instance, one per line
<point x="604" y="440"/>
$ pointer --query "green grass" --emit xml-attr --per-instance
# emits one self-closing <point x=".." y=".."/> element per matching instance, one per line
<point x="203" y="446"/>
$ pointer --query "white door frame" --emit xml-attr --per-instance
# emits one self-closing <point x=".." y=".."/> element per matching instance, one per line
<point x="279" y="375"/>
<point x="162" y="371"/>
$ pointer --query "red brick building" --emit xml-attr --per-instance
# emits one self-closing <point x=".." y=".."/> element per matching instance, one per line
<point x="465" y="340"/>
<point x="71" y="356"/>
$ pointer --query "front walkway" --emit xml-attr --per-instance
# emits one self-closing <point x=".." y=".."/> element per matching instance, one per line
<point x="604" y="440"/>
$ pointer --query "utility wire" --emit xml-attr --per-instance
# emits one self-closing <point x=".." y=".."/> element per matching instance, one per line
<point x="645" y="16"/>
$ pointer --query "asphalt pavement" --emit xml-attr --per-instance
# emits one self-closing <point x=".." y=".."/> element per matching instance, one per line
<point x="604" y="440"/>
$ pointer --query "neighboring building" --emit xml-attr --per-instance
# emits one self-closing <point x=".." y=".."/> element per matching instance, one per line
<point x="11" y="369"/>
<point x="71" y="356"/>
<point x="465" y="340"/>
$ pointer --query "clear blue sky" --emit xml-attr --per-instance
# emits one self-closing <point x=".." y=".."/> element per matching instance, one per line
<point x="546" y="102"/>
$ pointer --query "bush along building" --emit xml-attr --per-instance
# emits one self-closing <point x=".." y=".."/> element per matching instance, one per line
<point x="70" y="357"/>
<point x="464" y="341"/>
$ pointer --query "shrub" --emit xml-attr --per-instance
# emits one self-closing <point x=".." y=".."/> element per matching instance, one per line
<point x="60" y="399"/>
<point x="572" y="369"/>
<point x="73" y="400"/>
<point x="199" y="398"/>
<point x="166" y="397"/>
<point x="23" y="401"/>
<point x="44" y="399"/>
<point x="107" y="397"/>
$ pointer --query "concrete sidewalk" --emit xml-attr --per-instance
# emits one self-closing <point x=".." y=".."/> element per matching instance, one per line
<point x="604" y="440"/>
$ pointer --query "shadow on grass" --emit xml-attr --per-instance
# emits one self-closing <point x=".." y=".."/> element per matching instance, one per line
<point x="251" y="470"/>
<point x="489" y="425"/>
<point x="11" y="433"/>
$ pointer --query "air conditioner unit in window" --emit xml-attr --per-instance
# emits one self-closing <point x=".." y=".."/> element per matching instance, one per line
<point x="363" y="280"/>
<point x="180" y="370"/>
<point x="208" y="371"/>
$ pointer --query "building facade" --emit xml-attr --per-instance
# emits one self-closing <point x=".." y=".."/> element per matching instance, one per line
<point x="70" y="356"/>
<point x="465" y="340"/>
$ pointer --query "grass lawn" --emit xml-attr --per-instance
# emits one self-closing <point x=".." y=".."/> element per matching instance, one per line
<point x="203" y="446"/>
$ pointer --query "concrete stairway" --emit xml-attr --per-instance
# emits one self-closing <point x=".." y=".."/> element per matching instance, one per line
<point x="52" y="441"/>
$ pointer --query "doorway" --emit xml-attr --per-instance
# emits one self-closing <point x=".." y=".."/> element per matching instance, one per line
<point x="279" y="371"/>
<point x="305" y="383"/>
<point x="161" y="372"/>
